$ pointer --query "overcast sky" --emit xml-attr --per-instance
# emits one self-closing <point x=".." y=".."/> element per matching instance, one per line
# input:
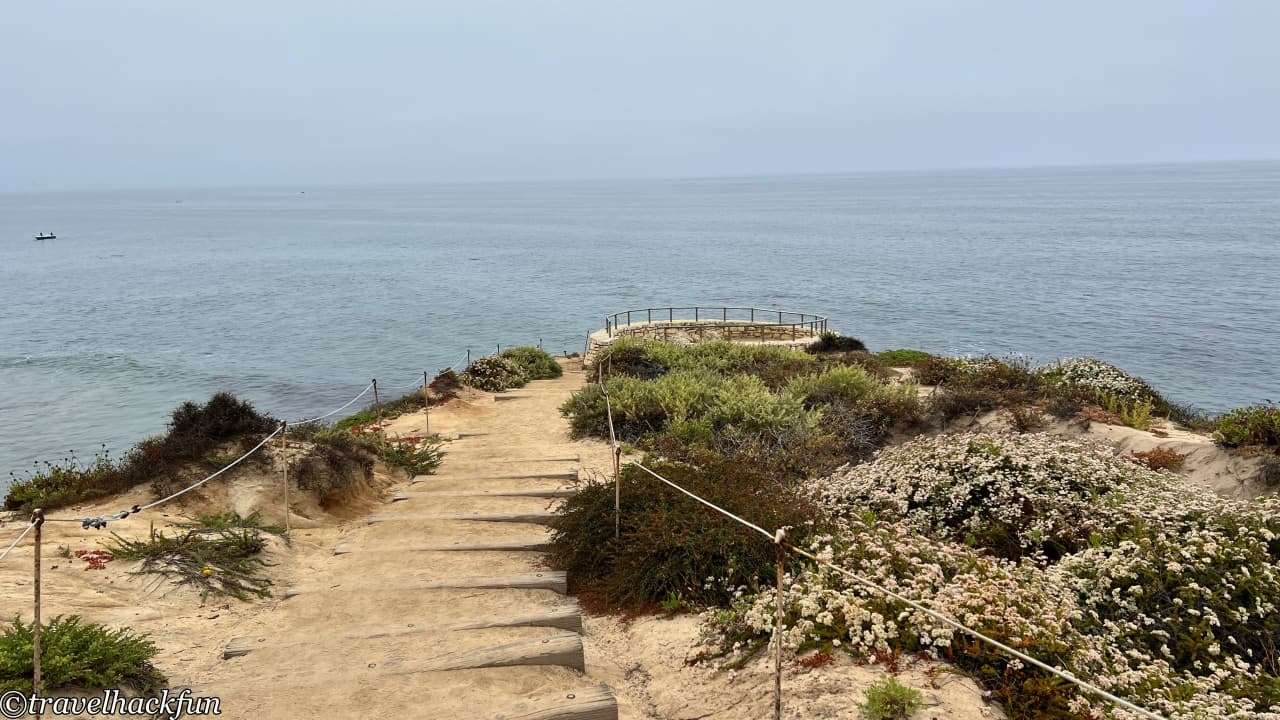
<point x="167" y="92"/>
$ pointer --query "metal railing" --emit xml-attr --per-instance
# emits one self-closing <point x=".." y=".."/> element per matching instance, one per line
<point x="800" y="323"/>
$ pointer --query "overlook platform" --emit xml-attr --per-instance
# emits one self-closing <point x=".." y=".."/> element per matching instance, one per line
<point x="701" y="324"/>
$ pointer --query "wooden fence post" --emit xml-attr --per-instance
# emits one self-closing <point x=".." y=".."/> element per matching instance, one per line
<point x="468" y="357"/>
<point x="426" y="400"/>
<point x="284" y="457"/>
<point x="780" y="553"/>
<point x="377" y="404"/>
<point x="37" y="633"/>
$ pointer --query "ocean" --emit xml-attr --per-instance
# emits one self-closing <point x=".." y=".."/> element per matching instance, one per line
<point x="295" y="297"/>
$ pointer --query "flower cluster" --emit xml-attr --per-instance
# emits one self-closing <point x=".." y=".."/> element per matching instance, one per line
<point x="1097" y="376"/>
<point x="1160" y="592"/>
<point x="494" y="374"/>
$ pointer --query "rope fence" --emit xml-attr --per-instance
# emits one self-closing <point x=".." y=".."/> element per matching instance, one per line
<point x="778" y="539"/>
<point x="99" y="522"/>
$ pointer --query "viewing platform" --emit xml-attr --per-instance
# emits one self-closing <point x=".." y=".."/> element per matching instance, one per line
<point x="685" y="325"/>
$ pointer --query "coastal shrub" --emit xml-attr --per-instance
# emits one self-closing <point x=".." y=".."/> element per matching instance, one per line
<point x="63" y="482"/>
<point x="215" y="561"/>
<point x="412" y="454"/>
<point x="194" y="431"/>
<point x="1024" y="418"/>
<point x="1133" y="413"/>
<point x="669" y="543"/>
<point x="827" y="611"/>
<point x="332" y="462"/>
<point x="845" y="384"/>
<point x="444" y="386"/>
<point x="1169" y="600"/>
<point x="869" y="362"/>
<point x="535" y="362"/>
<point x="647" y="359"/>
<point x="79" y="655"/>
<point x="1012" y="495"/>
<point x="903" y="357"/>
<point x="494" y="374"/>
<point x="1098" y="377"/>
<point x="1161" y="459"/>
<point x="835" y="342"/>
<point x="679" y="398"/>
<point x="950" y="403"/>
<point x="1064" y="402"/>
<point x="1255" y="425"/>
<point x="888" y="699"/>
<point x="630" y="357"/>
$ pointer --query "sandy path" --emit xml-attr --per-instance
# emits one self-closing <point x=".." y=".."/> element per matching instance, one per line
<point x="396" y="625"/>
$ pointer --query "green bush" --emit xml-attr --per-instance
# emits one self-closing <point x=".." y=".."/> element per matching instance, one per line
<point x="649" y="359"/>
<point x="888" y="699"/>
<point x="844" y="384"/>
<point x="494" y="374"/>
<point x="680" y="397"/>
<point x="535" y="362"/>
<point x="78" y="654"/>
<point x="1255" y="425"/>
<point x="835" y="342"/>
<point x="194" y="432"/>
<point x="903" y="357"/>
<point x="216" y="561"/>
<point x="334" y="460"/>
<point x="669" y="543"/>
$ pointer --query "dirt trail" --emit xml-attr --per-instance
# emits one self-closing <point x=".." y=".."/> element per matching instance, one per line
<point x="438" y="604"/>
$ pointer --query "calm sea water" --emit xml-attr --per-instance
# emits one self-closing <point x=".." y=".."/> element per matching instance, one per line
<point x="297" y="297"/>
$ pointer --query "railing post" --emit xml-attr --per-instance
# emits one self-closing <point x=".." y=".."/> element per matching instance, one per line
<point x="724" y="314"/>
<point x="284" y="473"/>
<point x="779" y="317"/>
<point x="650" y="311"/>
<point x="468" y="357"/>
<point x="377" y="404"/>
<point x="695" y="313"/>
<point x="628" y="318"/>
<point x="779" y="539"/>
<point x="426" y="400"/>
<point x="753" y="314"/>
<point x="671" y="314"/>
<point x="37" y="632"/>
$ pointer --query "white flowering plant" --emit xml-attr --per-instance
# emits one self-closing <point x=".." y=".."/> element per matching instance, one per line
<point x="1099" y="377"/>
<point x="1160" y="592"/>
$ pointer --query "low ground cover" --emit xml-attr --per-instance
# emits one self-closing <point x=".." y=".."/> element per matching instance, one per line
<point x="76" y="654"/>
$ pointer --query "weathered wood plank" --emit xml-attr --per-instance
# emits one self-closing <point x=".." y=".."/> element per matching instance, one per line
<point x="559" y="475"/>
<point x="548" y="492"/>
<point x="455" y="546"/>
<point x="594" y="703"/>
<point x="546" y="580"/>
<point x="564" y="650"/>
<point x="567" y="618"/>
<point x="534" y="517"/>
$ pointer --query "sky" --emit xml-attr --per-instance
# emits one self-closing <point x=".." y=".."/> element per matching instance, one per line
<point x="170" y="93"/>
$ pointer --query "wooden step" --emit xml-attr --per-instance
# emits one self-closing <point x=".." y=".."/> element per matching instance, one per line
<point x="570" y="475"/>
<point x="553" y="580"/>
<point x="593" y="703"/>
<point x="568" y="618"/>
<point x="550" y="492"/>
<point x="564" y="650"/>
<point x="533" y="517"/>
<point x="517" y="545"/>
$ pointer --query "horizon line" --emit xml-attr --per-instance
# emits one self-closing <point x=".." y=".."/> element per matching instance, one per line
<point x="645" y="178"/>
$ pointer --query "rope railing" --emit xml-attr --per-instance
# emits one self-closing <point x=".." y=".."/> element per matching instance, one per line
<point x="778" y="536"/>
